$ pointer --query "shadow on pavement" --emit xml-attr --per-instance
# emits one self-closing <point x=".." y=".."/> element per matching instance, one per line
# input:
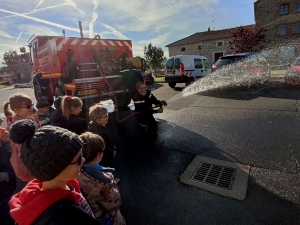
<point x="152" y="194"/>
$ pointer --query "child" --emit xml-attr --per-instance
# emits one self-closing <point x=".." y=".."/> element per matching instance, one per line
<point x="71" y="108"/>
<point x="7" y="177"/>
<point x="53" y="155"/>
<point x="99" y="118"/>
<point x="19" y="107"/>
<point x="102" y="192"/>
<point x="43" y="107"/>
<point x="57" y="118"/>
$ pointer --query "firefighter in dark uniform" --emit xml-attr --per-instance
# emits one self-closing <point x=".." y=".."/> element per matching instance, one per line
<point x="143" y="102"/>
<point x="130" y="76"/>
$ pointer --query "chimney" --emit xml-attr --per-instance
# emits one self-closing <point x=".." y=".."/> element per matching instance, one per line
<point x="208" y="29"/>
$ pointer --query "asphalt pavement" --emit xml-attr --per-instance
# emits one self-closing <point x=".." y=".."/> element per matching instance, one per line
<point x="257" y="127"/>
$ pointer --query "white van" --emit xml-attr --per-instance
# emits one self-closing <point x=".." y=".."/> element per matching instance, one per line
<point x="186" y="69"/>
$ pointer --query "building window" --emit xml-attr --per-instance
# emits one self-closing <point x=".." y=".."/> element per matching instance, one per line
<point x="296" y="29"/>
<point x="220" y="43"/>
<point x="284" y="9"/>
<point x="200" y="46"/>
<point x="297" y="7"/>
<point x="282" y="30"/>
<point x="182" y="49"/>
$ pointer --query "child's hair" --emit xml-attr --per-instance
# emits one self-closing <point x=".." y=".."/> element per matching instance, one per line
<point x="97" y="111"/>
<point x="15" y="101"/>
<point x="69" y="102"/>
<point x="93" y="144"/>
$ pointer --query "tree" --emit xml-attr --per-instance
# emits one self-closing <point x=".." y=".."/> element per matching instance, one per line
<point x="154" y="55"/>
<point x="246" y="39"/>
<point x="10" y="60"/>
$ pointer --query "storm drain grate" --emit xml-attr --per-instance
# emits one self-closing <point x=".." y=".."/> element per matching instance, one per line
<point x="220" y="176"/>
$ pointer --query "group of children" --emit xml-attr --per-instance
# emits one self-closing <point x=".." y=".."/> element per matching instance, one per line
<point x="60" y="164"/>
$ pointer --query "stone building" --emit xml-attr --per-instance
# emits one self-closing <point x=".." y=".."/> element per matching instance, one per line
<point x="281" y="21"/>
<point x="212" y="44"/>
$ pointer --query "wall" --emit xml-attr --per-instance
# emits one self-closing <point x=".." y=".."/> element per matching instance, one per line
<point x="267" y="15"/>
<point x="208" y="48"/>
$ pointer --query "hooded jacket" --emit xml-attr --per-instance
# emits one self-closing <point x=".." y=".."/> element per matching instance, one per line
<point x="34" y="206"/>
<point x="102" y="194"/>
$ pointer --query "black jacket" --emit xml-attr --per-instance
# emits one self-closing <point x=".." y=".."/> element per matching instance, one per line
<point x="103" y="132"/>
<point x="58" y="119"/>
<point x="144" y="104"/>
<point x="64" y="212"/>
<point x="6" y="188"/>
<point x="131" y="77"/>
<point x="109" y="149"/>
<point x="76" y="124"/>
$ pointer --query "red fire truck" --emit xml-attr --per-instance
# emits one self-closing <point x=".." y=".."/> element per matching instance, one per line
<point x="83" y="67"/>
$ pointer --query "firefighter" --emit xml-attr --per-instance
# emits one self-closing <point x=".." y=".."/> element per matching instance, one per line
<point x="143" y="102"/>
<point x="131" y="74"/>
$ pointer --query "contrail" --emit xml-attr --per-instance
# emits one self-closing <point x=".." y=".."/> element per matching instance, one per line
<point x="94" y="18"/>
<point x="39" y="4"/>
<point x="43" y="21"/>
<point x="36" y="10"/>
<point x="71" y="3"/>
<point x="114" y="31"/>
<point x="4" y="34"/>
<point x="19" y="36"/>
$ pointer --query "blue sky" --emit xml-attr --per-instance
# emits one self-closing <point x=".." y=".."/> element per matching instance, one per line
<point x="155" y="21"/>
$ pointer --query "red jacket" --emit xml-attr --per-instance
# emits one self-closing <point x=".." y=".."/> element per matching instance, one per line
<point x="27" y="205"/>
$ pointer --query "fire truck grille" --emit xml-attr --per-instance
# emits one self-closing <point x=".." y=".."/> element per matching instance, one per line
<point x="89" y="86"/>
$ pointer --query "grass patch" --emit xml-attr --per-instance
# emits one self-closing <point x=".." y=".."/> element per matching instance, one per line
<point x="278" y="73"/>
<point x="159" y="79"/>
<point x="2" y="86"/>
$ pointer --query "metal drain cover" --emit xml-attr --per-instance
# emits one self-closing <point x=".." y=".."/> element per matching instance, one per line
<point x="221" y="177"/>
<point x="216" y="175"/>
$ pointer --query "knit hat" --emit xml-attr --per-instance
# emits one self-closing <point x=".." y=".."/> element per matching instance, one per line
<point x="46" y="152"/>
<point x="42" y="102"/>
<point x="57" y="102"/>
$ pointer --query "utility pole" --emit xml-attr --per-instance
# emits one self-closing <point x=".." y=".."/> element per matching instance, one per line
<point x="80" y="29"/>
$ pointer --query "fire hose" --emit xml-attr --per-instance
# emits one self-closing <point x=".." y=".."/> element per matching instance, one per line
<point x="115" y="98"/>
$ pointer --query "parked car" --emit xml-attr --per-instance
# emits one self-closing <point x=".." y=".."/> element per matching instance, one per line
<point x="186" y="69"/>
<point x="292" y="76"/>
<point x="243" y="65"/>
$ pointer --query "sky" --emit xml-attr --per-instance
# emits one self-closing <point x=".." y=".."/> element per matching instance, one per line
<point x="155" y="21"/>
